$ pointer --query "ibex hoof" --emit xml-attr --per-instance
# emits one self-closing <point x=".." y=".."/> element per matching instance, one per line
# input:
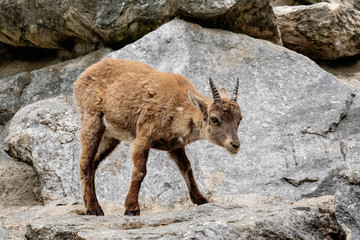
<point x="132" y="213"/>
<point x="200" y="201"/>
<point x="96" y="212"/>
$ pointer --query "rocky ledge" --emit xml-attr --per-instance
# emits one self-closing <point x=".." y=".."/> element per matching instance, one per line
<point x="253" y="217"/>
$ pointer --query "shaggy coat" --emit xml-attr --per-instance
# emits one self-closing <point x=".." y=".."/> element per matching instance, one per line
<point x="124" y="100"/>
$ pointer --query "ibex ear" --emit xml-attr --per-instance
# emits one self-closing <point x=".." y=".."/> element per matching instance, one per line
<point x="198" y="102"/>
<point x="224" y="94"/>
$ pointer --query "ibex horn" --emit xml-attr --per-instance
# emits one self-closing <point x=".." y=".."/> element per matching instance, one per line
<point x="235" y="93"/>
<point x="215" y="92"/>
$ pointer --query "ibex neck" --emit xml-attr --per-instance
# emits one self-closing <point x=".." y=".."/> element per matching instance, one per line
<point x="199" y="128"/>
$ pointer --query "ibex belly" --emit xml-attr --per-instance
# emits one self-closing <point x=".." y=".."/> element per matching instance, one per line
<point x="115" y="132"/>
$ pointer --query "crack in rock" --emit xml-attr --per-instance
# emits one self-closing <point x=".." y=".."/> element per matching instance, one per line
<point x="297" y="183"/>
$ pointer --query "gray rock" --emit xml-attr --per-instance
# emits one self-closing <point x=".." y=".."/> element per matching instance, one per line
<point x="287" y="150"/>
<point x="320" y="31"/>
<point x="19" y="185"/>
<point x="21" y="89"/>
<point x="57" y="79"/>
<point x="47" y="123"/>
<point x="81" y="26"/>
<point x="211" y="221"/>
<point x="11" y="88"/>
<point x="347" y="196"/>
<point x="5" y="233"/>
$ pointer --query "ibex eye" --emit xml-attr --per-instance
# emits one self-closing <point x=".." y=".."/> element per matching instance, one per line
<point x="214" y="120"/>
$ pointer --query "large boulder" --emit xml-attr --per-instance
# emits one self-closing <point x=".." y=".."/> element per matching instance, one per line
<point x="320" y="31"/>
<point x="81" y="26"/>
<point x="286" y="151"/>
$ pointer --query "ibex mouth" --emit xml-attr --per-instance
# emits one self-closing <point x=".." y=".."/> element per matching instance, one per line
<point x="232" y="150"/>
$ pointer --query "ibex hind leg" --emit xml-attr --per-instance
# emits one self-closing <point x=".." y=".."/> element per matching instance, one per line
<point x="91" y="133"/>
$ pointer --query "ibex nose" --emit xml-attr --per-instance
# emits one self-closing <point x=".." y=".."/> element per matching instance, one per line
<point x="235" y="145"/>
<point x="232" y="145"/>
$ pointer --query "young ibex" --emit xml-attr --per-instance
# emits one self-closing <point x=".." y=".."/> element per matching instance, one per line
<point x="124" y="100"/>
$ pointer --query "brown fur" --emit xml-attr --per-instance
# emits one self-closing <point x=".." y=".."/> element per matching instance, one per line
<point x="128" y="100"/>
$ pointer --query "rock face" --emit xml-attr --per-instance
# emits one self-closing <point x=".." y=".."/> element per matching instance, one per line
<point x="82" y="26"/>
<point x="10" y="93"/>
<point x="286" y="150"/>
<point x="348" y="192"/>
<point x="320" y="31"/>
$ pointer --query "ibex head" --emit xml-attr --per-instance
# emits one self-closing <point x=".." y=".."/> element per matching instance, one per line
<point x="222" y="117"/>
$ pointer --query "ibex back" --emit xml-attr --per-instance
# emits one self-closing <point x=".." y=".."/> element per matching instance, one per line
<point x="124" y="100"/>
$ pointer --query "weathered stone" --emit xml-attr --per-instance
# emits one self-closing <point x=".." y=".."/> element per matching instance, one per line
<point x="47" y="123"/>
<point x="24" y="88"/>
<point x="320" y="31"/>
<point x="275" y="220"/>
<point x="349" y="3"/>
<point x="81" y="26"/>
<point x="286" y="150"/>
<point x="347" y="196"/>
<point x="19" y="185"/>
<point x="11" y="88"/>
<point x="57" y="79"/>
<point x="349" y="125"/>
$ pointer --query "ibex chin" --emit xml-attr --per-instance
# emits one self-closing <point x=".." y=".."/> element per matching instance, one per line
<point x="124" y="100"/>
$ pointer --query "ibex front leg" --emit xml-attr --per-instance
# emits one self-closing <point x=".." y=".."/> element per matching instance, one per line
<point x="181" y="160"/>
<point x="140" y="153"/>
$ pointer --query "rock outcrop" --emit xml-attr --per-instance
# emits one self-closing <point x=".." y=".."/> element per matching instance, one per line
<point x="320" y="31"/>
<point x="83" y="26"/>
